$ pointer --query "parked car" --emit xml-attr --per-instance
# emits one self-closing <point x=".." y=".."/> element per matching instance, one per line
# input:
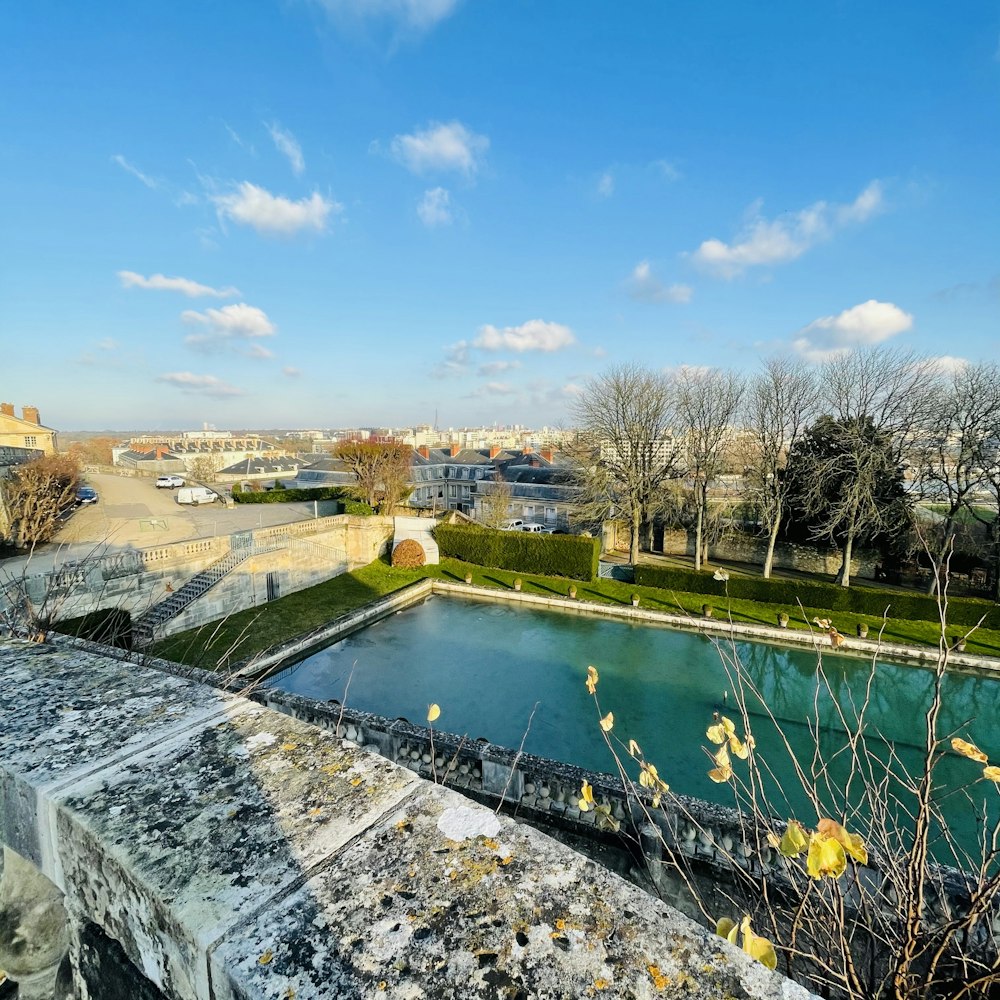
<point x="169" y="482"/>
<point x="196" y="495"/>
<point x="514" y="524"/>
<point x="86" y="494"/>
<point x="535" y="529"/>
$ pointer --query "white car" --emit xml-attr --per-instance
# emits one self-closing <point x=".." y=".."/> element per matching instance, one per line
<point x="169" y="482"/>
<point x="535" y="529"/>
<point x="515" y="524"/>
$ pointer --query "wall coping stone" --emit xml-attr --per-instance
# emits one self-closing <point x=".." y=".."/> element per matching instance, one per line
<point x="236" y="852"/>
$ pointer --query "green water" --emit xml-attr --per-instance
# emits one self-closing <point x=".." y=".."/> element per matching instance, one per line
<point x="487" y="665"/>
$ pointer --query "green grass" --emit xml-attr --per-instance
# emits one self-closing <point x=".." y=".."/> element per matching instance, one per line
<point x="249" y="632"/>
<point x="964" y="516"/>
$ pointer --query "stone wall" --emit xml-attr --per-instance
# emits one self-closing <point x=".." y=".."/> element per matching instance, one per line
<point x="748" y="549"/>
<point x="208" y="847"/>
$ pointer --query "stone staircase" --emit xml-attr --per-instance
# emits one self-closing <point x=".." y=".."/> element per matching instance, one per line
<point x="145" y="626"/>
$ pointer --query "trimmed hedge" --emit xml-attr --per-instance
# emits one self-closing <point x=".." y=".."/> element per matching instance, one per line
<point x="816" y="594"/>
<point x="548" y="555"/>
<point x="346" y="506"/>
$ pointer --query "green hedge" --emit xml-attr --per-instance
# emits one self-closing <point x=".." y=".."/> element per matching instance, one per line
<point x="548" y="555"/>
<point x="347" y="505"/>
<point x="110" y="626"/>
<point x="860" y="600"/>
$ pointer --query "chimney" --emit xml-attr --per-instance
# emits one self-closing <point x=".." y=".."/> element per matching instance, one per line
<point x="7" y="409"/>
<point x="424" y="451"/>
<point x="160" y="452"/>
<point x="547" y="454"/>
<point x="454" y="450"/>
<point x="526" y="450"/>
<point x="494" y="451"/>
<point x="30" y="413"/>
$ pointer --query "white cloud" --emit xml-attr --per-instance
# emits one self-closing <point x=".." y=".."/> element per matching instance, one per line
<point x="259" y="352"/>
<point x="646" y="287"/>
<point x="235" y="136"/>
<point x="161" y="283"/>
<point x="499" y="388"/>
<point x="441" y="146"/>
<point x="535" y="335"/>
<point x="862" y="325"/>
<point x="107" y="344"/>
<point x="290" y="371"/>
<point x="606" y="185"/>
<point x="776" y="241"/>
<point x="150" y="182"/>
<point x="416" y="14"/>
<point x="275" y="215"/>
<point x="668" y="170"/>
<point x="206" y="385"/>
<point x="241" y="320"/>
<point x="434" y="208"/>
<point x="946" y="364"/>
<point x="287" y="145"/>
<point x="496" y="367"/>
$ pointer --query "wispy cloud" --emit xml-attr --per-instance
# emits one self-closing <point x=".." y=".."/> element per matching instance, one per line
<point x="862" y="325"/>
<point x="288" y="146"/>
<point x="606" y="185"/>
<point x="275" y="215"/>
<point x="290" y="371"/>
<point x="161" y="283"/>
<point x="441" y="147"/>
<point x="247" y="147"/>
<point x="129" y="168"/>
<point x="497" y="367"/>
<point x="668" y="170"/>
<point x="416" y="15"/>
<point x="220" y="326"/>
<point x="434" y="208"/>
<point x="644" y="286"/>
<point x="762" y="241"/>
<point x="204" y="385"/>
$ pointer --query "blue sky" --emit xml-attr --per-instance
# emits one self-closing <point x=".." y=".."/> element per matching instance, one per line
<point x="354" y="212"/>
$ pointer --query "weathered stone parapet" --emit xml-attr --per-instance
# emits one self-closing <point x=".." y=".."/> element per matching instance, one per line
<point x="234" y="852"/>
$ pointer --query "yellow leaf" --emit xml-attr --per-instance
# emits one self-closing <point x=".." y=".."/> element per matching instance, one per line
<point x="724" y="927"/>
<point x="757" y="947"/>
<point x="793" y="842"/>
<point x="851" y="843"/>
<point x="721" y="730"/>
<point x="826" y="857"/>
<point x="720" y="774"/>
<point x="433" y="712"/>
<point x="607" y="723"/>
<point x="265" y="959"/>
<point x="739" y="749"/>
<point x="969" y="750"/>
<point x="991" y="773"/>
<point x="633" y="749"/>
<point x="587" y="797"/>
<point x="592" y="680"/>
<point x="721" y="757"/>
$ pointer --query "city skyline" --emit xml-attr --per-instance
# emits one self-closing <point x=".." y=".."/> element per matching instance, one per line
<point x="335" y="213"/>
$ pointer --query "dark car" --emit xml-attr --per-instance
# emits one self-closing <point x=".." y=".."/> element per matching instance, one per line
<point x="86" y="494"/>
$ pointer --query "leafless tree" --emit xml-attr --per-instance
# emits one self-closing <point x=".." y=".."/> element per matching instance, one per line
<point x="382" y="469"/>
<point x="204" y="468"/>
<point x="779" y="404"/>
<point x="877" y="399"/>
<point x="628" y="450"/>
<point x="951" y="450"/>
<point x="493" y="501"/>
<point x="36" y="494"/>
<point x="707" y="403"/>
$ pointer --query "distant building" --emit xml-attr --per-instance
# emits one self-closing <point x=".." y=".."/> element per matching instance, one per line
<point x="196" y="451"/>
<point x="259" y="469"/>
<point x="26" y="431"/>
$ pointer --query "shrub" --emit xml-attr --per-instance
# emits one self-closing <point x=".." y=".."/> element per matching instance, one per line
<point x="110" y="626"/>
<point x="409" y="554"/>
<point x="237" y="489"/>
<point x="860" y="600"/>
<point x="548" y="555"/>
<point x="347" y="505"/>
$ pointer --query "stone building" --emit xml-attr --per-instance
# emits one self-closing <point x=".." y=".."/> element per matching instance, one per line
<point x="26" y="431"/>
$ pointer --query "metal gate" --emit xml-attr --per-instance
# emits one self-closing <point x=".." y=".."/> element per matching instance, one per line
<point x="616" y="571"/>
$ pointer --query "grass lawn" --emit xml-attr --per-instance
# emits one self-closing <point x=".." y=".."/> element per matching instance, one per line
<point x="249" y="632"/>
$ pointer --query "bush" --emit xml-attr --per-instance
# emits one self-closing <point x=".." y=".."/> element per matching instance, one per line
<point x="110" y="626"/>
<point x="347" y="505"/>
<point x="816" y="594"/>
<point x="409" y="554"/>
<point x="236" y="490"/>
<point x="548" y="555"/>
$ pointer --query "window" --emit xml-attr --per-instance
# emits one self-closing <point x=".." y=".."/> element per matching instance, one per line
<point x="453" y="491"/>
<point x="30" y="441"/>
<point x="528" y="510"/>
<point x="550" y="515"/>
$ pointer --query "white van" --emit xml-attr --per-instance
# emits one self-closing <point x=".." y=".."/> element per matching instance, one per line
<point x="196" y="495"/>
<point x="535" y="529"/>
<point x="514" y="524"/>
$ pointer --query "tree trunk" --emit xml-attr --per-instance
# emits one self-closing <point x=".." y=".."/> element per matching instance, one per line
<point x="771" y="542"/>
<point x="698" y="528"/>
<point x="844" y="575"/>
<point x="936" y="563"/>
<point x="634" y="525"/>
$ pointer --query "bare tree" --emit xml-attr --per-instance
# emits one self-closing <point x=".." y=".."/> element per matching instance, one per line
<point x="780" y="402"/>
<point x="36" y="494"/>
<point x="493" y="501"/>
<point x="204" y="468"/>
<point x="876" y="400"/>
<point x="382" y="469"/>
<point x="708" y="403"/>
<point x="951" y="448"/>
<point x="628" y="450"/>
